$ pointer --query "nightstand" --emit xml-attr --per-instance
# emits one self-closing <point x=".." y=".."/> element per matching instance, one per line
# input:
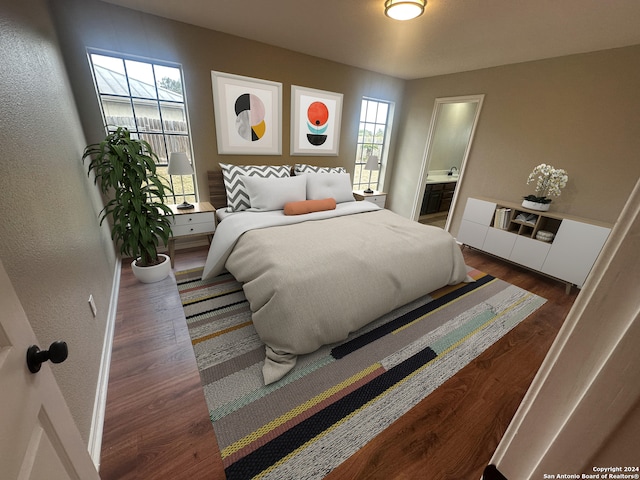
<point x="379" y="198"/>
<point x="197" y="221"/>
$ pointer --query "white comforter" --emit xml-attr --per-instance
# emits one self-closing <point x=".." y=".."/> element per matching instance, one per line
<point x="311" y="283"/>
<point x="235" y="224"/>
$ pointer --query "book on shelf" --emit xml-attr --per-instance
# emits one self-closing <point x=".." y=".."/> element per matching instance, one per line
<point x="528" y="218"/>
<point x="501" y="218"/>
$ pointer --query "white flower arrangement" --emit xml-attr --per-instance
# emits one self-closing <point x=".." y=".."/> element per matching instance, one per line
<point x="550" y="181"/>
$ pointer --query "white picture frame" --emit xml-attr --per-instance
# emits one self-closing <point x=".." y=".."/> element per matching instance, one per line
<point x="248" y="114"/>
<point x="322" y="135"/>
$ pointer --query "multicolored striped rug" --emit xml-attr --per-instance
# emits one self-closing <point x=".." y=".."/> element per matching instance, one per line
<point x="341" y="396"/>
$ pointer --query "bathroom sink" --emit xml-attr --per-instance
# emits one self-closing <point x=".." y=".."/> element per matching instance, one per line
<point x="442" y="178"/>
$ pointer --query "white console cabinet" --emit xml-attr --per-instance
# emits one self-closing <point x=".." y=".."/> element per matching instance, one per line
<point x="569" y="256"/>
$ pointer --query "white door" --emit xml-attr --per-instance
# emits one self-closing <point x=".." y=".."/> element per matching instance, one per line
<point x="38" y="437"/>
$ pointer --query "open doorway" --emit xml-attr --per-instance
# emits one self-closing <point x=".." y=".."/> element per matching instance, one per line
<point x="453" y="126"/>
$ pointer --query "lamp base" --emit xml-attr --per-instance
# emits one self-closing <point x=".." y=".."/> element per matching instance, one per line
<point x="368" y="190"/>
<point x="184" y="206"/>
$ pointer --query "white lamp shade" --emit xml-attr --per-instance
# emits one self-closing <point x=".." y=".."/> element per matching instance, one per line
<point x="372" y="163"/>
<point x="404" y="9"/>
<point x="179" y="164"/>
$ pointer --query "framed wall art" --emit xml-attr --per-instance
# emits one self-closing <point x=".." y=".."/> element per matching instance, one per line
<point x="248" y="113"/>
<point x="315" y="121"/>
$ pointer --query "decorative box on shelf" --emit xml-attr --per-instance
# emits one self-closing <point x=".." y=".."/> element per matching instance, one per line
<point x="545" y="236"/>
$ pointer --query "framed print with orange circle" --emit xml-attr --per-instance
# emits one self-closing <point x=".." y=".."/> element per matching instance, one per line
<point x="315" y="121"/>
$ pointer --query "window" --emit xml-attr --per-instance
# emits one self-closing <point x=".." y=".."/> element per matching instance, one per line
<point x="375" y="122"/>
<point x="148" y="99"/>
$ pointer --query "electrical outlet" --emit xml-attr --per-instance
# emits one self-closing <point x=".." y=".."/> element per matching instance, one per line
<point x="92" y="304"/>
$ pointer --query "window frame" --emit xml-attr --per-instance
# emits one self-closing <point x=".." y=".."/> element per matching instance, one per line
<point x="362" y="178"/>
<point x="183" y="188"/>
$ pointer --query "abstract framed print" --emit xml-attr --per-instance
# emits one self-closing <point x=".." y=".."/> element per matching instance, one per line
<point x="315" y="121"/>
<point x="248" y="113"/>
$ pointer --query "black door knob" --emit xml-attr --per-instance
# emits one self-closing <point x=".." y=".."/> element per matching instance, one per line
<point x="57" y="353"/>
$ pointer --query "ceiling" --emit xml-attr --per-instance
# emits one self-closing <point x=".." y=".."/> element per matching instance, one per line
<point x="451" y="36"/>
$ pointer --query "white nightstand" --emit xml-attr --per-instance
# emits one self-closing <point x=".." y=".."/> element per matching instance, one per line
<point x="197" y="221"/>
<point x="379" y="198"/>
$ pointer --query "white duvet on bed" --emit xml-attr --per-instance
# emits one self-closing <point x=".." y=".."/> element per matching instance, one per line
<point x="311" y="283"/>
<point x="235" y="224"/>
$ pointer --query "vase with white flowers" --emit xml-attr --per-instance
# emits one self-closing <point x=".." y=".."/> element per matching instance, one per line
<point x="549" y="181"/>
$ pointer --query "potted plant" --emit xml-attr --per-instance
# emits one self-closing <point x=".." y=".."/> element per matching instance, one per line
<point x="549" y="182"/>
<point x="125" y="168"/>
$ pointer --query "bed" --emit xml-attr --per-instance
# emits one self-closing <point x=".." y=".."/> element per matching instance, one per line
<point x="313" y="278"/>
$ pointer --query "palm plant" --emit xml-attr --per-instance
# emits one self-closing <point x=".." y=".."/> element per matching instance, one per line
<point x="125" y="168"/>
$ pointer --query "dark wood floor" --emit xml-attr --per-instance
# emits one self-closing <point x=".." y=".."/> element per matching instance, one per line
<point x="157" y="424"/>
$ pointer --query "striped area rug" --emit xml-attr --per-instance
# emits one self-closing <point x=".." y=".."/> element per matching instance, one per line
<point x="341" y="396"/>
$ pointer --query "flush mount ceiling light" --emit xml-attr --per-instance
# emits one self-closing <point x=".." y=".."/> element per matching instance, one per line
<point x="404" y="9"/>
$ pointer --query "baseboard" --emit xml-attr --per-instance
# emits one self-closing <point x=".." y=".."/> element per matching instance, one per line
<point x="99" y="405"/>
<point x="491" y="473"/>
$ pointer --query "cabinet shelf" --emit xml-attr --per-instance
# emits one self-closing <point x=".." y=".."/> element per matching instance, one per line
<point x="520" y="222"/>
<point x="524" y="222"/>
<point x="509" y="231"/>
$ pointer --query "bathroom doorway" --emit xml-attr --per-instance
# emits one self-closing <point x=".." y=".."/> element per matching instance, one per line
<point x="453" y="126"/>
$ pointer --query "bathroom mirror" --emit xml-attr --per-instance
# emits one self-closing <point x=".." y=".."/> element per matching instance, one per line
<point x="453" y="125"/>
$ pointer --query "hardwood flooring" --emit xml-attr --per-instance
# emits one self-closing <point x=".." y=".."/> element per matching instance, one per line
<point x="156" y="419"/>
<point x="157" y="424"/>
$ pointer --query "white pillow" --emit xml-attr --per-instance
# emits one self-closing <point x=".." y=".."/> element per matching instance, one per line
<point x="272" y="193"/>
<point x="237" y="198"/>
<point x="329" y="185"/>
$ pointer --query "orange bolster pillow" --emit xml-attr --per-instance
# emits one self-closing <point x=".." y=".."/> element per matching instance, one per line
<point x="308" y="206"/>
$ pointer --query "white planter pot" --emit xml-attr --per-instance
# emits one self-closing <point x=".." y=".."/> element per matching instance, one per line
<point x="154" y="273"/>
<point x="542" y="207"/>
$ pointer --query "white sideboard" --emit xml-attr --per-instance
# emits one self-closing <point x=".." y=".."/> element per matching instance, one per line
<point x="568" y="257"/>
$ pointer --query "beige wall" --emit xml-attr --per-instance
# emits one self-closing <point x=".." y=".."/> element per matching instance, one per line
<point x="51" y="246"/>
<point x="578" y="112"/>
<point x="90" y="23"/>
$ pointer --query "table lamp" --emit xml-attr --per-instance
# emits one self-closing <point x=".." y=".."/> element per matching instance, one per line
<point x="372" y="164"/>
<point x="179" y="165"/>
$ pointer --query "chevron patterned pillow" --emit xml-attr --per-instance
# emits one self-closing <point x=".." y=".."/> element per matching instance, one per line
<point x="304" y="168"/>
<point x="237" y="196"/>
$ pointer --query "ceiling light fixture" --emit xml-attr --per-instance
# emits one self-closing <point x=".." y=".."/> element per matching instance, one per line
<point x="404" y="9"/>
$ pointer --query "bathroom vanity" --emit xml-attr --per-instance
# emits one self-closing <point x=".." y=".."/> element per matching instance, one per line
<point x="438" y="193"/>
